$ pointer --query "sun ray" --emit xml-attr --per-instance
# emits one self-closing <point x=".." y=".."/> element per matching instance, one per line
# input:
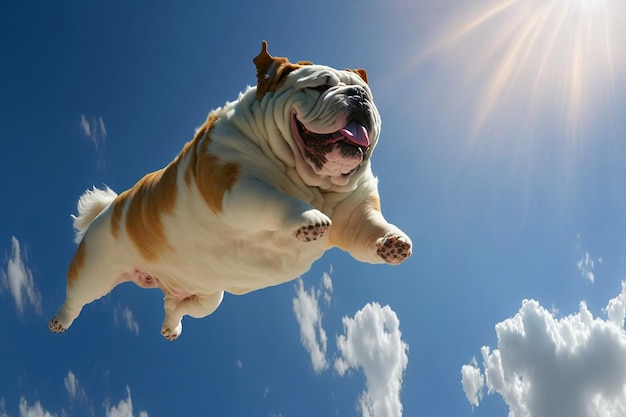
<point x="539" y="59"/>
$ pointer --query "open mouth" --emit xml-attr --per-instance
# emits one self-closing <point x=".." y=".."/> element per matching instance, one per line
<point x="353" y="133"/>
<point x="340" y="152"/>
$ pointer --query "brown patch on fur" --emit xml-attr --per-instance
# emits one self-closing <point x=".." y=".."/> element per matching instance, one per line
<point x="212" y="177"/>
<point x="153" y="196"/>
<point x="118" y="210"/>
<point x="271" y="71"/>
<point x="190" y="148"/>
<point x="78" y="261"/>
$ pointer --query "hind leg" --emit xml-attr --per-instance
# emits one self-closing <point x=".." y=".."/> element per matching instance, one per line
<point x="86" y="281"/>
<point x="77" y="296"/>
<point x="196" y="306"/>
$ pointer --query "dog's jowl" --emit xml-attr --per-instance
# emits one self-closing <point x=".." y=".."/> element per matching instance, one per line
<point x="268" y="183"/>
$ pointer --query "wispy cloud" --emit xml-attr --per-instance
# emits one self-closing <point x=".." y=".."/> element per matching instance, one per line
<point x="574" y="366"/>
<point x="124" y="408"/>
<point x="373" y="342"/>
<point x="71" y="384"/>
<point x="586" y="263"/>
<point x="18" y="280"/>
<point x="95" y="130"/>
<point x="126" y="317"/>
<point x="327" y="284"/>
<point x="3" y="412"/>
<point x="36" y="410"/>
<point x="307" y="310"/>
<point x="75" y="391"/>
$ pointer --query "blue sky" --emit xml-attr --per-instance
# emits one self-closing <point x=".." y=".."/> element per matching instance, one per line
<point x="501" y="155"/>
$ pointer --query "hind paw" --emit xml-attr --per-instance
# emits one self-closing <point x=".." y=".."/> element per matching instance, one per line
<point x="172" y="334"/>
<point x="55" y="326"/>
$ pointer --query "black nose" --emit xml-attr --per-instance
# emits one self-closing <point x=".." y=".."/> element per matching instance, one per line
<point x="359" y="110"/>
<point x="355" y="92"/>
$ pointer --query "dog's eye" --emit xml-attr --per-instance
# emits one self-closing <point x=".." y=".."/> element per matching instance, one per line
<point x="321" y="88"/>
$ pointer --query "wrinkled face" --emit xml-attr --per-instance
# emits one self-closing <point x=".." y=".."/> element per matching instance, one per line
<point x="333" y="120"/>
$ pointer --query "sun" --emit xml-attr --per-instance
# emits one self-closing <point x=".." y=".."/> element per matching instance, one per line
<point x="557" y="59"/>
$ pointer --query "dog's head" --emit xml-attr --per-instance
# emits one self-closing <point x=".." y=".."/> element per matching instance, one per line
<point x="327" y="115"/>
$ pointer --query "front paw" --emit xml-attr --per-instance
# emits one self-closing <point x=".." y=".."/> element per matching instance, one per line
<point x="393" y="249"/>
<point x="314" y="225"/>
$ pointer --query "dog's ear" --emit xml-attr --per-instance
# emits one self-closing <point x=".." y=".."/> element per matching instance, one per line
<point x="360" y="72"/>
<point x="271" y="71"/>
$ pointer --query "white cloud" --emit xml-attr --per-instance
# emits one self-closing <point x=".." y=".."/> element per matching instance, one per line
<point x="85" y="126"/>
<point x="616" y="309"/>
<point x="71" y="384"/>
<point x="473" y="382"/>
<point x="312" y="334"/>
<point x="36" y="410"/>
<point x="3" y="412"/>
<point x="95" y="130"/>
<point x="373" y="342"/>
<point x="585" y="265"/>
<point x="327" y="284"/>
<point x="18" y="279"/>
<point x="75" y="391"/>
<point x="124" y="408"/>
<point x="309" y="316"/>
<point x="125" y="316"/>
<point x="574" y="366"/>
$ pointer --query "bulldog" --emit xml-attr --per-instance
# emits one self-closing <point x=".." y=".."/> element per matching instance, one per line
<point x="268" y="183"/>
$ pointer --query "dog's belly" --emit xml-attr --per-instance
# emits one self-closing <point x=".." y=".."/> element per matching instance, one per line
<point x="204" y="257"/>
<point x="236" y="263"/>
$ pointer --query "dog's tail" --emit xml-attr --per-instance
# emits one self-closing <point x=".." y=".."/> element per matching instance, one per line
<point x="90" y="204"/>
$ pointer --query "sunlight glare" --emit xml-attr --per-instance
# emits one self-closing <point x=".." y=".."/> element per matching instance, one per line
<point x="537" y="60"/>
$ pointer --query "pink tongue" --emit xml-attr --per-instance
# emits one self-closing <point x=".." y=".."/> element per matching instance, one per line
<point x="356" y="133"/>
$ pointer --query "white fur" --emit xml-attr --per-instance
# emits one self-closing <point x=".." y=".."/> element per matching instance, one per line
<point x="90" y="204"/>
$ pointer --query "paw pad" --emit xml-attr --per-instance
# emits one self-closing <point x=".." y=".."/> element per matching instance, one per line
<point x="311" y="232"/>
<point x="394" y="249"/>
<point x="55" y="326"/>
<point x="172" y="334"/>
<point x="169" y="335"/>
